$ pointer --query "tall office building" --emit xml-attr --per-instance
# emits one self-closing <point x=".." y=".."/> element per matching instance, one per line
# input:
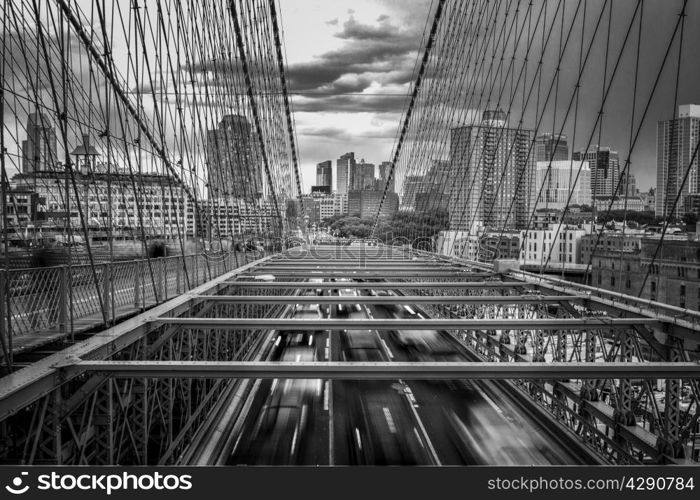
<point x="559" y="184"/>
<point x="605" y="170"/>
<point x="551" y="147"/>
<point x="676" y="141"/>
<point x="491" y="176"/>
<point x="413" y="186"/>
<point x="324" y="174"/>
<point x="234" y="164"/>
<point x="345" y="172"/>
<point x="39" y="153"/>
<point x="363" y="177"/>
<point x="384" y="170"/>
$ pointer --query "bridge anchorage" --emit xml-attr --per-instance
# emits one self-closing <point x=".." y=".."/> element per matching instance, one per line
<point x="307" y="357"/>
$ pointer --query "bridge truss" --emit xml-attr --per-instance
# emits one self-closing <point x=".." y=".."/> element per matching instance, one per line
<point x="591" y="364"/>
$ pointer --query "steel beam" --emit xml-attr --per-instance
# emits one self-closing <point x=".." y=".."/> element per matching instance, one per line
<point x="366" y="274"/>
<point x="305" y="285"/>
<point x="393" y="299"/>
<point x="387" y="370"/>
<point x="402" y="324"/>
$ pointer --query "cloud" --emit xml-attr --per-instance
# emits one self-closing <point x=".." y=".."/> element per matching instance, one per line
<point x="375" y="58"/>
<point x="332" y="22"/>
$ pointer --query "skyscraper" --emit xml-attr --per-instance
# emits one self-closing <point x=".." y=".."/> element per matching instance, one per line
<point x="364" y="175"/>
<point x="605" y="170"/>
<point x="413" y="185"/>
<point x="39" y="149"/>
<point x="235" y="168"/>
<point x="561" y="186"/>
<point x="324" y="174"/>
<point x="384" y="170"/>
<point x="675" y="142"/>
<point x="551" y="147"/>
<point x="345" y="168"/>
<point x="491" y="176"/>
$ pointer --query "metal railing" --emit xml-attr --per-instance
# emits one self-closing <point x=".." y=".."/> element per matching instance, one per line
<point x="70" y="298"/>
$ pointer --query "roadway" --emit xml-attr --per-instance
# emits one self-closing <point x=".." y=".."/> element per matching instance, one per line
<point x="316" y="422"/>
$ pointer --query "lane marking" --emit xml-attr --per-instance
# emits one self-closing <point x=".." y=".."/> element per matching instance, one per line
<point x="386" y="347"/>
<point x="424" y="433"/>
<point x="389" y="420"/>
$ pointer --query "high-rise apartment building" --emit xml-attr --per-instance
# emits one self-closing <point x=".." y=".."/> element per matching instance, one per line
<point x="364" y="175"/>
<point x="234" y="164"/>
<point x="39" y="152"/>
<point x="345" y="172"/>
<point x="491" y="176"/>
<point x="324" y="174"/>
<point x="559" y="185"/>
<point x="551" y="147"/>
<point x="384" y="170"/>
<point x="605" y="170"/>
<point x="676" y="141"/>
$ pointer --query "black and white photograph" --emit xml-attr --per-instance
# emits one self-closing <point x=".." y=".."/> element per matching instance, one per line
<point x="296" y="241"/>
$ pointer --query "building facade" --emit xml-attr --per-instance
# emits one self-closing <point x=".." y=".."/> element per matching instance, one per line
<point x="345" y="172"/>
<point x="39" y="152"/>
<point x="233" y="160"/>
<point x="491" y="176"/>
<point x="324" y="174"/>
<point x="551" y="147"/>
<point x="676" y="141"/>
<point x="563" y="183"/>
<point x="604" y="165"/>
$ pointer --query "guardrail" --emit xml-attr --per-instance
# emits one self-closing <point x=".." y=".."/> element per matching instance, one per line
<point x="65" y="299"/>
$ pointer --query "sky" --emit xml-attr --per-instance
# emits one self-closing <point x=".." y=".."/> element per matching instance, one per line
<point x="336" y="48"/>
<point x="350" y="66"/>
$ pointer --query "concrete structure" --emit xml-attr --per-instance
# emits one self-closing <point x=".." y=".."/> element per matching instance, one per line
<point x="345" y="172"/>
<point x="365" y="203"/>
<point x="363" y="177"/>
<point x="674" y="276"/>
<point x="109" y="200"/>
<point x="551" y="147"/>
<point x="563" y="183"/>
<point x="676" y="141"/>
<point x="605" y="170"/>
<point x="491" y="175"/>
<point x="39" y="151"/>
<point x="560" y="244"/>
<point x="324" y="174"/>
<point x="384" y="170"/>
<point x="234" y="163"/>
<point x="413" y="185"/>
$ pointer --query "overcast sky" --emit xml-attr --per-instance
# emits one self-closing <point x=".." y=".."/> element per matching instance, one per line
<point x="335" y="48"/>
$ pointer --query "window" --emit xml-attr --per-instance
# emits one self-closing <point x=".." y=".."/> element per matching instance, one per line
<point x="653" y="286"/>
<point x="628" y="284"/>
<point x="612" y="280"/>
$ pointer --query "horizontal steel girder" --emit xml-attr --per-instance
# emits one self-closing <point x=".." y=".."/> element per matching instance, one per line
<point x="382" y="285"/>
<point x="406" y="324"/>
<point x="393" y="299"/>
<point x="388" y="370"/>
<point x="365" y="273"/>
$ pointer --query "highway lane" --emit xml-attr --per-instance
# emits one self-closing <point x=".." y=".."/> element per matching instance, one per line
<point x="288" y="420"/>
<point x="374" y="422"/>
<point x="470" y="423"/>
<point x="309" y="422"/>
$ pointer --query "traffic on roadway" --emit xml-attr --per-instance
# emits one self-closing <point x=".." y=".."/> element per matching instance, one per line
<point x="360" y="422"/>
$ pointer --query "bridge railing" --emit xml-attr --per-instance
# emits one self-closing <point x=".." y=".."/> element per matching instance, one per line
<point x="61" y="300"/>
